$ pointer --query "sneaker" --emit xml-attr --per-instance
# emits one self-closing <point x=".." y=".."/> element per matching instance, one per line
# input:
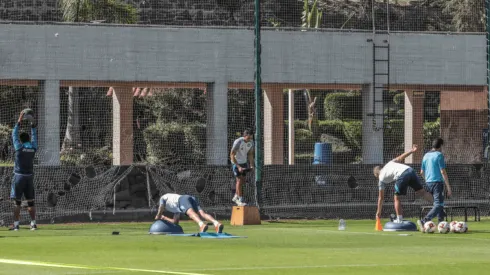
<point x="33" y="227"/>
<point x="235" y="199"/>
<point x="14" y="228"/>
<point x="219" y="228"/>
<point x="241" y="203"/>
<point x="203" y="228"/>
<point x="420" y="223"/>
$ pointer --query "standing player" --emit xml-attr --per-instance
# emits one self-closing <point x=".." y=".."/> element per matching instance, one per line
<point x="188" y="205"/>
<point x="434" y="171"/>
<point x="242" y="158"/>
<point x="403" y="176"/>
<point x="23" y="181"/>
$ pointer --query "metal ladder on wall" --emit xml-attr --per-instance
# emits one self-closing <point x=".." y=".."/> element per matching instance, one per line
<point x="381" y="67"/>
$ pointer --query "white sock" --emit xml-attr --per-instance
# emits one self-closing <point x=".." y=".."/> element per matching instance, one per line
<point x="16" y="223"/>
<point x="216" y="223"/>
<point x="201" y="223"/>
<point x="33" y="222"/>
<point x="400" y="218"/>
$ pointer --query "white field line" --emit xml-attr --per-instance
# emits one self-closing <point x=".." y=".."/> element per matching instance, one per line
<point x="73" y="266"/>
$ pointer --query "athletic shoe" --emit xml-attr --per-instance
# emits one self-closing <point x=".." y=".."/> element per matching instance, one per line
<point x="203" y="228"/>
<point x="235" y="200"/>
<point x="241" y="203"/>
<point x="420" y="223"/>
<point x="33" y="227"/>
<point x="219" y="228"/>
<point x="14" y="228"/>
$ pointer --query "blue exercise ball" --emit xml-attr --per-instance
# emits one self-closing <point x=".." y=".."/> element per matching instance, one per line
<point x="164" y="227"/>
<point x="403" y="226"/>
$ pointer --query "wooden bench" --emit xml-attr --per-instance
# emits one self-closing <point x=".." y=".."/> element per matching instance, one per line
<point x="449" y="211"/>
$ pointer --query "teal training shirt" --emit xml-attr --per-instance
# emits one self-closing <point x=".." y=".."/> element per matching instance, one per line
<point x="432" y="163"/>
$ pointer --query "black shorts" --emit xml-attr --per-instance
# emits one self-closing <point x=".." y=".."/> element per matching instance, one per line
<point x="187" y="202"/>
<point x="22" y="185"/>
<point x="238" y="173"/>
<point x="407" y="179"/>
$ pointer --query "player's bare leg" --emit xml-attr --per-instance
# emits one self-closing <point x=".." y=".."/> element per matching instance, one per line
<point x="238" y="199"/>
<point x="398" y="208"/>
<point x="32" y="212"/>
<point x="17" y="209"/>
<point x="217" y="225"/>
<point x="426" y="195"/>
<point x="195" y="217"/>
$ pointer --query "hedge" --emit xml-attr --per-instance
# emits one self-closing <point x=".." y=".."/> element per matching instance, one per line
<point x="343" y="106"/>
<point x="174" y="143"/>
<point x="5" y="142"/>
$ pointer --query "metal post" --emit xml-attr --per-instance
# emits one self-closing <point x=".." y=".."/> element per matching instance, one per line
<point x="258" y="105"/>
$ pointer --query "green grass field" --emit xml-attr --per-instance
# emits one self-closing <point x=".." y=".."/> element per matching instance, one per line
<point x="288" y="247"/>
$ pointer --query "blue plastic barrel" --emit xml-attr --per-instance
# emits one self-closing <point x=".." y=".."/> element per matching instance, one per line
<point x="323" y="153"/>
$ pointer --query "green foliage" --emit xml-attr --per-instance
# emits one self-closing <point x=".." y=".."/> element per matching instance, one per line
<point x="353" y="134"/>
<point x="298" y="124"/>
<point x="100" y="156"/>
<point x="467" y="15"/>
<point x="343" y="106"/>
<point x="399" y="99"/>
<point x="174" y="143"/>
<point x="241" y="107"/>
<point x="311" y="17"/>
<point x="394" y="135"/>
<point x="432" y="130"/>
<point x="332" y="127"/>
<point x="5" y="142"/>
<point x="108" y="11"/>
<point x="305" y="142"/>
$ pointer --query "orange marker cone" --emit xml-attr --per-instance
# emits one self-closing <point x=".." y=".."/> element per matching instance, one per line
<point x="378" y="226"/>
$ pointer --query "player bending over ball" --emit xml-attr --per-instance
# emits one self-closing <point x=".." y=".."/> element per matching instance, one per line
<point x="188" y="205"/>
<point x="242" y="158"/>
<point x="403" y="176"/>
<point x="23" y="180"/>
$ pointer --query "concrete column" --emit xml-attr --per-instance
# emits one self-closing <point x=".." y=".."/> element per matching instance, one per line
<point x="273" y="126"/>
<point x="291" y="127"/>
<point x="372" y="133"/>
<point x="463" y="118"/>
<point x="122" y="126"/>
<point x="217" y="150"/>
<point x="49" y="123"/>
<point x="414" y="124"/>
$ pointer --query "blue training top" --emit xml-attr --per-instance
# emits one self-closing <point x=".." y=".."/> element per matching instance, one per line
<point x="24" y="152"/>
<point x="432" y="163"/>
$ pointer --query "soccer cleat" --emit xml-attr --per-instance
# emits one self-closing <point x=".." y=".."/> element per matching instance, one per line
<point x="33" y="227"/>
<point x="219" y="228"/>
<point x="203" y="228"/>
<point x="14" y="228"/>
<point x="420" y="223"/>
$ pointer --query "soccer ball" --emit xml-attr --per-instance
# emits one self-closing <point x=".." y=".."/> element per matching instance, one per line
<point x="452" y="226"/>
<point x="461" y="227"/>
<point x="443" y="227"/>
<point x="429" y="227"/>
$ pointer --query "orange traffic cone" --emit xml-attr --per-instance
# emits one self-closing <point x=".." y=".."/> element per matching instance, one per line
<point x="378" y="226"/>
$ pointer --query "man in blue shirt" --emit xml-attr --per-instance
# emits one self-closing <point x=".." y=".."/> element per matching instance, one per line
<point x="434" y="171"/>
<point x="23" y="180"/>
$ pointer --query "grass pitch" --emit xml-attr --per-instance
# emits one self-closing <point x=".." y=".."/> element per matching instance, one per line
<point x="288" y="247"/>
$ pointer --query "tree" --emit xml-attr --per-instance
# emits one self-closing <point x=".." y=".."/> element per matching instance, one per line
<point x="467" y="15"/>
<point x="95" y="11"/>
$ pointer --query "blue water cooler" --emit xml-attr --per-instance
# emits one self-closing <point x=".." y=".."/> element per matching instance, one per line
<point x="323" y="153"/>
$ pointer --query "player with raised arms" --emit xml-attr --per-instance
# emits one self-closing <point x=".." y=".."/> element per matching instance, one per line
<point x="23" y="180"/>
<point x="403" y="176"/>
<point x="242" y="158"/>
<point x="187" y="205"/>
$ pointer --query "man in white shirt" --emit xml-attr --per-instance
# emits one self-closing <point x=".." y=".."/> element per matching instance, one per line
<point x="242" y="158"/>
<point x="403" y="176"/>
<point x="188" y="205"/>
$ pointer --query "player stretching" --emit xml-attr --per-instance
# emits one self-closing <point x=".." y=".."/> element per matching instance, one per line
<point x="242" y="158"/>
<point x="434" y="170"/>
<point x="23" y="181"/>
<point x="403" y="176"/>
<point x="188" y="205"/>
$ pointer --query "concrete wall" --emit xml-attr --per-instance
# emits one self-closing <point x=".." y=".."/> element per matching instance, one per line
<point x="204" y="55"/>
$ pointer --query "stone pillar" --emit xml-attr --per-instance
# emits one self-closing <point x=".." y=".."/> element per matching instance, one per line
<point x="273" y="126"/>
<point x="463" y="118"/>
<point x="49" y="123"/>
<point x="414" y="124"/>
<point x="217" y="151"/>
<point x="372" y="139"/>
<point x="122" y="126"/>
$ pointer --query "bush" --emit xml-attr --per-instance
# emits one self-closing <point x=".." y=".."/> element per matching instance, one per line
<point x="332" y="127"/>
<point x="399" y="99"/>
<point x="298" y="124"/>
<point x="343" y="106"/>
<point x="353" y="134"/>
<point x="5" y="142"/>
<point x="394" y="136"/>
<point x="100" y="156"/>
<point x="174" y="143"/>
<point x="304" y="140"/>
